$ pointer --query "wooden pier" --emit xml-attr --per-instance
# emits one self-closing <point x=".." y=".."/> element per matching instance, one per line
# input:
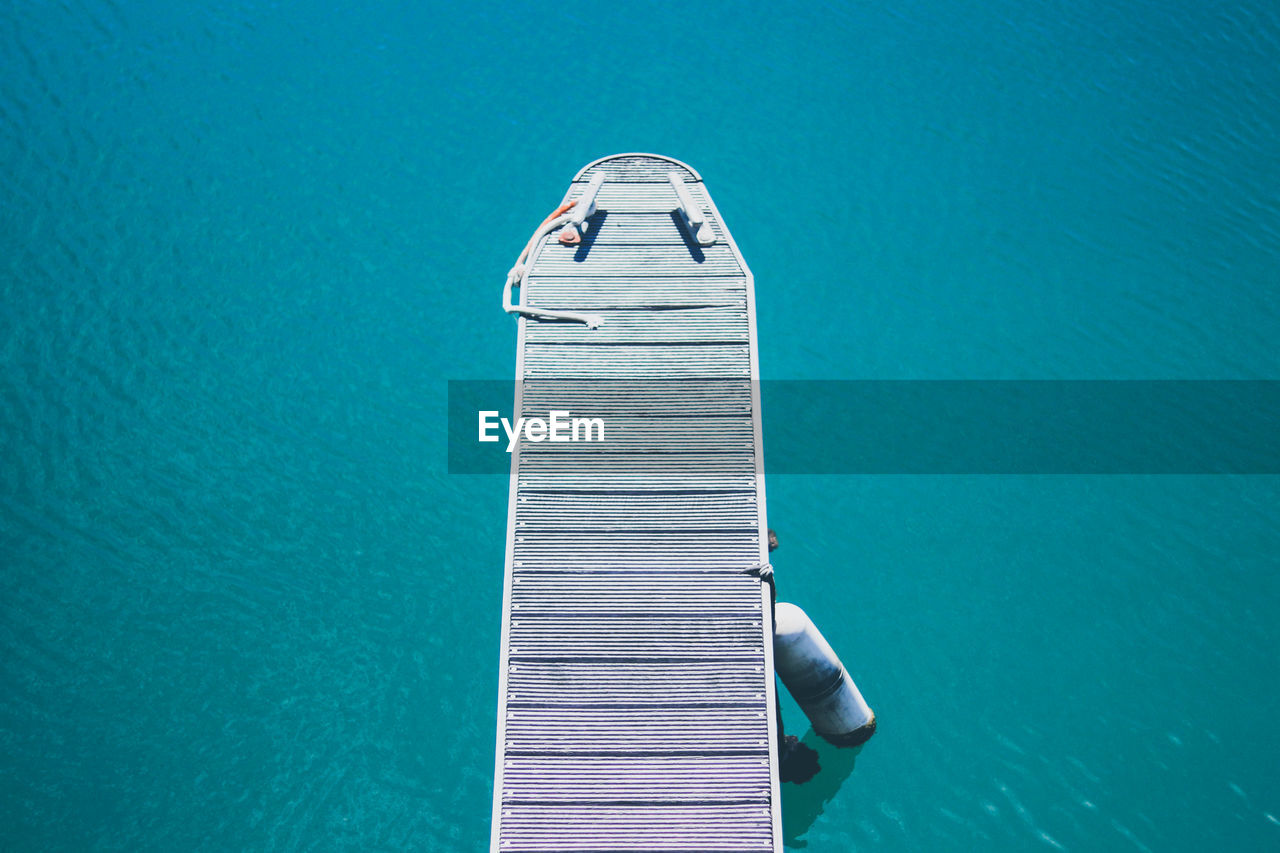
<point x="636" y="702"/>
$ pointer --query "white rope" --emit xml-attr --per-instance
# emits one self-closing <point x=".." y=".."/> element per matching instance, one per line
<point x="520" y="272"/>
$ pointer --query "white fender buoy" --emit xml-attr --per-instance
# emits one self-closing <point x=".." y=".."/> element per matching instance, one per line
<point x="817" y="680"/>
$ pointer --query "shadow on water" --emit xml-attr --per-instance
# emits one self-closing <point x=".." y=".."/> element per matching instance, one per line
<point x="689" y="242"/>
<point x="596" y="221"/>
<point x="803" y="804"/>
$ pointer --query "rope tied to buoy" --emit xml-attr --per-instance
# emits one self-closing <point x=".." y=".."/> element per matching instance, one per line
<point x="796" y="762"/>
<point x="764" y="571"/>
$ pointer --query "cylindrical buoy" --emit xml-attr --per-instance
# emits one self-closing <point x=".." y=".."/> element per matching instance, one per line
<point x="818" y="681"/>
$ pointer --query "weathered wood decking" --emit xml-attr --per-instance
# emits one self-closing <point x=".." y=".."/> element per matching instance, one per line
<point x="636" y="698"/>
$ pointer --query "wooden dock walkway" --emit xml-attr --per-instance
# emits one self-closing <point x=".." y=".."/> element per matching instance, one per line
<point x="636" y="702"/>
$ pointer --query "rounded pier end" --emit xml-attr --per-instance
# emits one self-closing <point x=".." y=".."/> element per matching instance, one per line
<point x="637" y="166"/>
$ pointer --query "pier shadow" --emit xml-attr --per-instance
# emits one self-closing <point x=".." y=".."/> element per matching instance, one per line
<point x="689" y="242"/>
<point x="803" y="804"/>
<point x="589" y="239"/>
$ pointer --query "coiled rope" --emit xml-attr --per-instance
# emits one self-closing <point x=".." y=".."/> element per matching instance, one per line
<point x="520" y="272"/>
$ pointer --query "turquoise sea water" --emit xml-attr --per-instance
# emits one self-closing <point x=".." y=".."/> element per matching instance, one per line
<point x="244" y="245"/>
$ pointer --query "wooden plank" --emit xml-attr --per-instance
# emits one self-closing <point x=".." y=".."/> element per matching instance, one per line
<point x="595" y="682"/>
<point x="741" y="828"/>
<point x="607" y="259"/>
<point x="613" y="228"/>
<point x="724" y="324"/>
<point x="692" y="779"/>
<point x="686" y="291"/>
<point x="645" y="551"/>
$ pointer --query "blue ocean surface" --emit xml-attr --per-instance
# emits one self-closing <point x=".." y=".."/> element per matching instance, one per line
<point x="243" y="247"/>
